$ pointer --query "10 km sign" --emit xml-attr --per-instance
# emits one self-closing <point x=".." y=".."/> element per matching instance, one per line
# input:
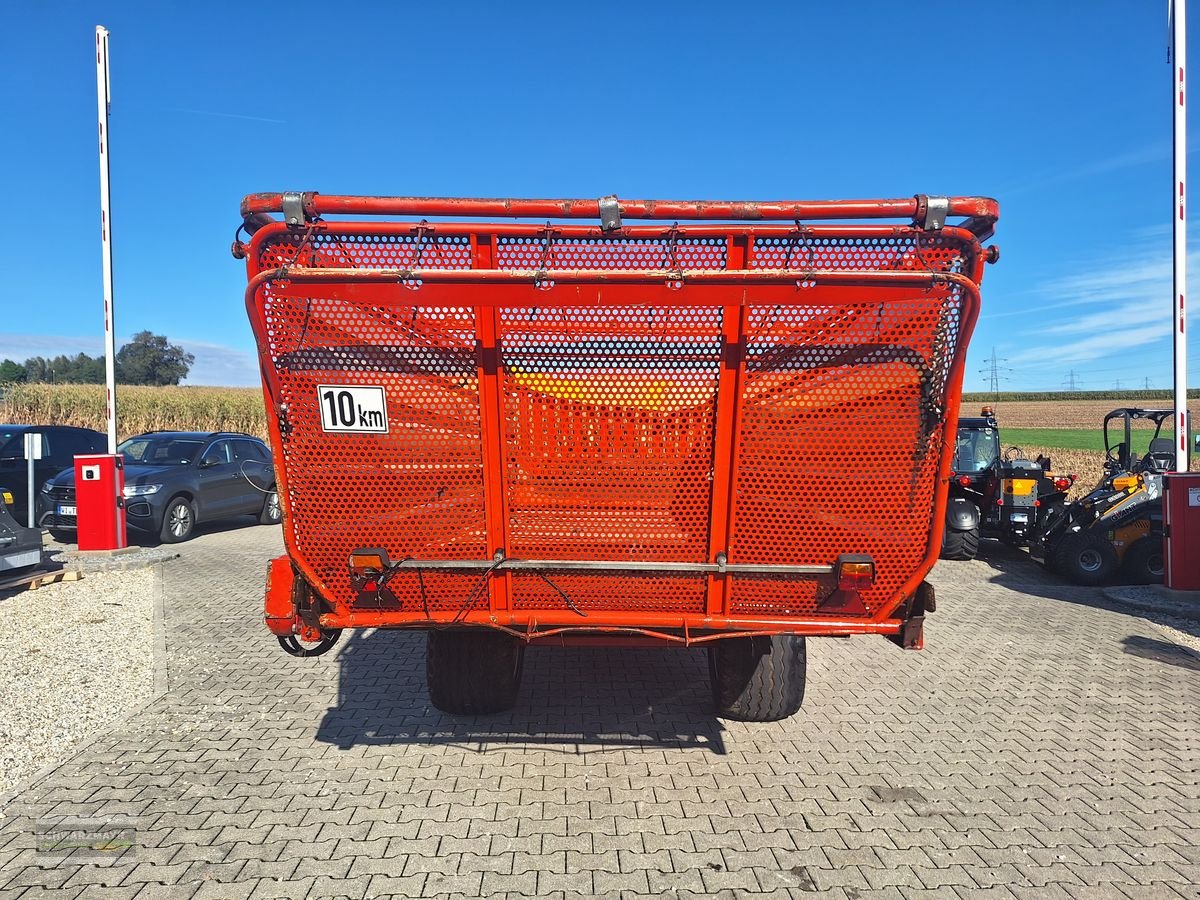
<point x="345" y="408"/>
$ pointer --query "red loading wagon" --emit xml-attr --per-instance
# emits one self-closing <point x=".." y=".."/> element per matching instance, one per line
<point x="728" y="425"/>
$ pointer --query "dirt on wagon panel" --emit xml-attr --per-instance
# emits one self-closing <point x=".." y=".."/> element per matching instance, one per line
<point x="671" y="432"/>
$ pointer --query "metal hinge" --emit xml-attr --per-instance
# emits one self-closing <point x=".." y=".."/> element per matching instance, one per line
<point x="294" y="203"/>
<point x="610" y="213"/>
<point x="931" y="212"/>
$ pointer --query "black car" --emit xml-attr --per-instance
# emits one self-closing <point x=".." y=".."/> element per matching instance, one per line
<point x="176" y="479"/>
<point x="60" y="445"/>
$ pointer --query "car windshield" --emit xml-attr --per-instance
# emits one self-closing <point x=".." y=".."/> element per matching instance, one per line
<point x="12" y="443"/>
<point x="977" y="449"/>
<point x="160" y="451"/>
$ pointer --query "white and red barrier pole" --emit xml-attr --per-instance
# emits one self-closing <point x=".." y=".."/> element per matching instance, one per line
<point x="1179" y="81"/>
<point x="103" y="98"/>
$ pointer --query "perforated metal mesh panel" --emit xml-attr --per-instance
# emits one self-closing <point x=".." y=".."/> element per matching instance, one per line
<point x="419" y="487"/>
<point x="627" y="430"/>
<point x="840" y="441"/>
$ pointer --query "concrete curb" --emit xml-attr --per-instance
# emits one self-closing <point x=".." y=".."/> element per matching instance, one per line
<point x="1156" y="598"/>
<point x="135" y="558"/>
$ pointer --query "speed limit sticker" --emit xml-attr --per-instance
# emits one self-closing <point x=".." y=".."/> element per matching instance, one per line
<point x="353" y="409"/>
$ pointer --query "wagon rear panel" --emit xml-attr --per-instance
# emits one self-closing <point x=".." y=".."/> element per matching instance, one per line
<point x="671" y="398"/>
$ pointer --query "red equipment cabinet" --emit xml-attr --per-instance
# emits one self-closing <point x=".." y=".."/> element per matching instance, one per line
<point x="1181" y="516"/>
<point x="99" y="501"/>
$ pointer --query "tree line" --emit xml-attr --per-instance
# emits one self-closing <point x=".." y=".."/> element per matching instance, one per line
<point x="147" y="359"/>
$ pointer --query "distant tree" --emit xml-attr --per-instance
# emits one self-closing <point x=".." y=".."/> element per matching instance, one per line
<point x="149" y="359"/>
<point x="11" y="371"/>
<point x="37" y="369"/>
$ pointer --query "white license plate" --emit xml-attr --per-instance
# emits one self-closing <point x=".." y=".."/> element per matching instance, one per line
<point x="66" y="510"/>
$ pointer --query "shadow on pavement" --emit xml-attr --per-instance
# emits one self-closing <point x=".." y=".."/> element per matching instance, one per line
<point x="1015" y="570"/>
<point x="1162" y="651"/>
<point x="571" y="699"/>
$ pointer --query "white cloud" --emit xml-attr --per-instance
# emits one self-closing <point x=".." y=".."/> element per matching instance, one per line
<point x="1120" y="301"/>
<point x="217" y="364"/>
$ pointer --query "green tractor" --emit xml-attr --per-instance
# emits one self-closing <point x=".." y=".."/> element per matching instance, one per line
<point x="1118" y="526"/>
<point x="996" y="494"/>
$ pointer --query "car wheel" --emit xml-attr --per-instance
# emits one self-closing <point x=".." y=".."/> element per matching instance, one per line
<point x="179" y="521"/>
<point x="272" y="512"/>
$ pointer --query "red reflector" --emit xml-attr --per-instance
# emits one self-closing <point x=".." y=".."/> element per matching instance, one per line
<point x="1000" y="501"/>
<point x="855" y="572"/>
<point x="852" y="581"/>
<point x="1037" y="502"/>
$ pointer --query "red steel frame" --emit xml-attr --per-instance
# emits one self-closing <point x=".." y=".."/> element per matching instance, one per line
<point x="727" y="288"/>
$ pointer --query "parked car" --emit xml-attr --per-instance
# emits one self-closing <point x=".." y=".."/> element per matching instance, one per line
<point x="60" y="444"/>
<point x="175" y="480"/>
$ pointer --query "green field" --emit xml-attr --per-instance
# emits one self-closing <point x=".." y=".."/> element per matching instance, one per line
<point x="1069" y="438"/>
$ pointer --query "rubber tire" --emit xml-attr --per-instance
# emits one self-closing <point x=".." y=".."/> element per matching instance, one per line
<point x="164" y="530"/>
<point x="1140" y="557"/>
<point x="473" y="673"/>
<point x="62" y="536"/>
<point x="960" y="544"/>
<point x="758" y="679"/>
<point x="265" y="517"/>
<point x="1072" y="548"/>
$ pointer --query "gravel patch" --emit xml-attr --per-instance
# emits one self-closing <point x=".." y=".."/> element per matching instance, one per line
<point x="81" y="658"/>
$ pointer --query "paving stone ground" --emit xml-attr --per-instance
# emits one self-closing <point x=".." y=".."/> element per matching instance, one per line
<point x="1046" y="744"/>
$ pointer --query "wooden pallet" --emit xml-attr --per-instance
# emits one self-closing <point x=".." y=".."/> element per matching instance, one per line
<point x="39" y="578"/>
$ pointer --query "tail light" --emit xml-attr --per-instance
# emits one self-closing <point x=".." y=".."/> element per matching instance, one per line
<point x="367" y="565"/>
<point x="1063" y="483"/>
<point x="964" y="480"/>
<point x="855" y="572"/>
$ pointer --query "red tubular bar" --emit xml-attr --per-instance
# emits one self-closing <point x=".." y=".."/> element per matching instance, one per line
<point x="533" y="620"/>
<point x="753" y="210"/>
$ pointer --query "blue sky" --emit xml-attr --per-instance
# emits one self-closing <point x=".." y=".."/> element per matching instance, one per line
<point x="1059" y="110"/>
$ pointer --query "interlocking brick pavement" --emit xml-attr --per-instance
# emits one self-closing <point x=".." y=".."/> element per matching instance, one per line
<point x="1046" y="744"/>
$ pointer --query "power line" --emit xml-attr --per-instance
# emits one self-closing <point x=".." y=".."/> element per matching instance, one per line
<point x="995" y="371"/>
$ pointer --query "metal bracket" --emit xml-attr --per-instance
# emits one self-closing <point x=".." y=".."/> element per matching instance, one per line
<point x="293" y="208"/>
<point x="610" y="213"/>
<point x="932" y="211"/>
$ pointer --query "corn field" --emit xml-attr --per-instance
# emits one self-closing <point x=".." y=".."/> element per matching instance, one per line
<point x="139" y="409"/>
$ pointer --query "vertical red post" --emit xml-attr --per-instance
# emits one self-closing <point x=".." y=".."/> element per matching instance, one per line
<point x="491" y="427"/>
<point x="729" y="389"/>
